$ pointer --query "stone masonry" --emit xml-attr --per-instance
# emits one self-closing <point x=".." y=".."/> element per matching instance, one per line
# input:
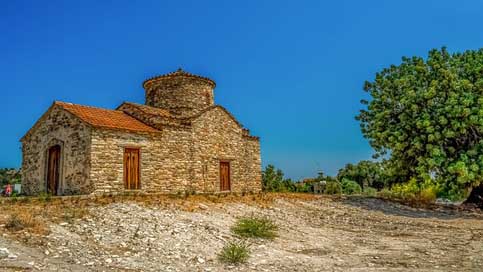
<point x="181" y="135"/>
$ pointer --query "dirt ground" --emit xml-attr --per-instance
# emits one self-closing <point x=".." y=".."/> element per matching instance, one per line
<point x="316" y="233"/>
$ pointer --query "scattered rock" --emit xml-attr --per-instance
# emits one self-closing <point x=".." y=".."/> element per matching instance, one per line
<point x="313" y="233"/>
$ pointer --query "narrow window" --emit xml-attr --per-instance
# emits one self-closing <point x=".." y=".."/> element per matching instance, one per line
<point x="131" y="169"/>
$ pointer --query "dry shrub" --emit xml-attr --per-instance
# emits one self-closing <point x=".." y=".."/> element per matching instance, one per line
<point x="71" y="213"/>
<point x="24" y="220"/>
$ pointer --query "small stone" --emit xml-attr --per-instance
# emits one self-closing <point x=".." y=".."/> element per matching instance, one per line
<point x="64" y="224"/>
<point x="201" y="260"/>
<point x="203" y="206"/>
<point x="47" y="252"/>
<point x="4" y="253"/>
<point x="108" y="260"/>
<point x="12" y="256"/>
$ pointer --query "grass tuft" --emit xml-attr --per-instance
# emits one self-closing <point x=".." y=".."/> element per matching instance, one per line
<point x="255" y="227"/>
<point x="23" y="221"/>
<point x="234" y="253"/>
<point x="44" y="197"/>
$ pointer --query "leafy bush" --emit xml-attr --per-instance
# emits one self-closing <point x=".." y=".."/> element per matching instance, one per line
<point x="414" y="191"/>
<point x="385" y="193"/>
<point x="428" y="195"/>
<point x="350" y="187"/>
<point x="369" y="191"/>
<point x="332" y="188"/>
<point x="255" y="227"/>
<point x="234" y="253"/>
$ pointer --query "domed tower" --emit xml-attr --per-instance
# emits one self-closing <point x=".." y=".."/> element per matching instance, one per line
<point x="180" y="92"/>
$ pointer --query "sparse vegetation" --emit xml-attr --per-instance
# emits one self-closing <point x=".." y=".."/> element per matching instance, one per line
<point x="72" y="213"/>
<point x="23" y="220"/>
<point x="255" y="227"/>
<point x="14" y="223"/>
<point x="44" y="196"/>
<point x="235" y="253"/>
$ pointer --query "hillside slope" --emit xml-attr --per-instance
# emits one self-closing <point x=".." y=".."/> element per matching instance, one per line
<point x="316" y="233"/>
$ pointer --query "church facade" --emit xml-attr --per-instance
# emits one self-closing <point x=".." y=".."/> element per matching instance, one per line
<point x="178" y="141"/>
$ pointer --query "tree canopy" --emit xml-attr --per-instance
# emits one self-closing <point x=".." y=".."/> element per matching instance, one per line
<point x="365" y="173"/>
<point x="273" y="180"/>
<point x="426" y="116"/>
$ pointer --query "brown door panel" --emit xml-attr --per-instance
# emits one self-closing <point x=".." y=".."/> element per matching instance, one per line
<point x="131" y="169"/>
<point x="225" y="176"/>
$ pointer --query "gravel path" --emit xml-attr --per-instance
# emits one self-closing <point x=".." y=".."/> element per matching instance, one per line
<point x="316" y="234"/>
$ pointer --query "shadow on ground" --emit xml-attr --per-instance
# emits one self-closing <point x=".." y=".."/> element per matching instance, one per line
<point x="400" y="209"/>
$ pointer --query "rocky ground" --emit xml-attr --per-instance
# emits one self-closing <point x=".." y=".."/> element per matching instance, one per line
<point x="316" y="233"/>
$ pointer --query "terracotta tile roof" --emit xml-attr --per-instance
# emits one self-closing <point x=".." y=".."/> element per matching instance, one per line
<point x="177" y="73"/>
<point x="105" y="118"/>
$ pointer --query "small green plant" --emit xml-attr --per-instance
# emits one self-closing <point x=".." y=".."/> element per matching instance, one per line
<point x="44" y="196"/>
<point x="332" y="188"/>
<point x="350" y="187"/>
<point x="234" y="253"/>
<point x="255" y="227"/>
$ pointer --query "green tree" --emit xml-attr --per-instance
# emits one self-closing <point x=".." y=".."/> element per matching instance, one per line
<point x="273" y="180"/>
<point x="9" y="175"/>
<point x="365" y="173"/>
<point x="426" y="116"/>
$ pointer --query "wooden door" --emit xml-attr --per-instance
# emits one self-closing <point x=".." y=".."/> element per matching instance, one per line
<point x="53" y="170"/>
<point x="225" y="176"/>
<point x="131" y="169"/>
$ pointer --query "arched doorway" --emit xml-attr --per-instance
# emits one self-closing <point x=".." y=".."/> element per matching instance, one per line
<point x="53" y="170"/>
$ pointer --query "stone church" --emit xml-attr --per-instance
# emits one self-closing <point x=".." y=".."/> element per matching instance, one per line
<point x="178" y="141"/>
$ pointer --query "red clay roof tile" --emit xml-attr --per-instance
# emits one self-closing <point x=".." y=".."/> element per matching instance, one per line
<point x="105" y="118"/>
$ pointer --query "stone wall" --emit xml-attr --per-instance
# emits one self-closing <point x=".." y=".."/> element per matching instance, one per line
<point x="165" y="163"/>
<point x="179" y="159"/>
<point x="57" y="127"/>
<point x="252" y="173"/>
<point x="218" y="137"/>
<point x="183" y="96"/>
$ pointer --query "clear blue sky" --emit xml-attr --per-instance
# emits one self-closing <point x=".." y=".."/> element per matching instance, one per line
<point x="291" y="71"/>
